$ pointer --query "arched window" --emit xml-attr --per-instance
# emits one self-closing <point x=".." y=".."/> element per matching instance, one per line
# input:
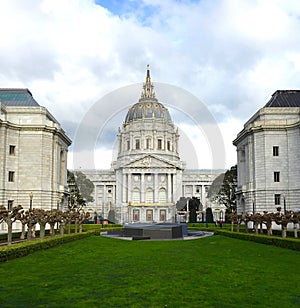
<point x="162" y="195"/>
<point x="149" y="195"/>
<point x="136" y="196"/>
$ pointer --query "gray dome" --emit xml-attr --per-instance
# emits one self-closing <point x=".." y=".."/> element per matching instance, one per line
<point x="148" y="110"/>
<point x="148" y="106"/>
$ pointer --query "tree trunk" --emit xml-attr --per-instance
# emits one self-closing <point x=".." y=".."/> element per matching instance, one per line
<point x="261" y="229"/>
<point x="232" y="226"/>
<point x="9" y="232"/>
<point x="29" y="232"/>
<point x="76" y="225"/>
<point x="238" y="227"/>
<point x="62" y="228"/>
<point x="52" y="229"/>
<point x="295" y="230"/>
<point x="256" y="228"/>
<point x="69" y="227"/>
<point x="33" y="231"/>
<point x="42" y="230"/>
<point x="246" y="227"/>
<point x="284" y="231"/>
<point x="22" y="237"/>
<point x="80" y="228"/>
<point x="269" y="230"/>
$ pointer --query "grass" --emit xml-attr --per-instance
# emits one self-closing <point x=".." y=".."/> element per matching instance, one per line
<point x="102" y="272"/>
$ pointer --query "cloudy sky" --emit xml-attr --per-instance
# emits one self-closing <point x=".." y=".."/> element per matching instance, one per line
<point x="213" y="63"/>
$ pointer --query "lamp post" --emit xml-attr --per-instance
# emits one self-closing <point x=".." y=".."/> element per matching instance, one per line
<point x="30" y="197"/>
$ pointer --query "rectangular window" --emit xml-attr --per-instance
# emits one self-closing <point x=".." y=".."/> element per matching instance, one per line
<point x="128" y="145"/>
<point x="12" y="150"/>
<point x="159" y="144"/>
<point x="149" y="215"/>
<point x="148" y="143"/>
<point x="10" y="204"/>
<point x="136" y="215"/>
<point x="169" y="145"/>
<point x="276" y="151"/>
<point x="276" y="176"/>
<point x="162" y="215"/>
<point x="11" y="176"/>
<point x="277" y="199"/>
<point x="137" y="144"/>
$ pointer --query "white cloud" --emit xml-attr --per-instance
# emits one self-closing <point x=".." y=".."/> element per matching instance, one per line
<point x="230" y="54"/>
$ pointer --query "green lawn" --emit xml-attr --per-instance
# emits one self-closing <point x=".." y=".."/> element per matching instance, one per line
<point x="102" y="272"/>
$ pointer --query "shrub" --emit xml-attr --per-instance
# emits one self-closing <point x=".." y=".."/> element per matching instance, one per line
<point x="25" y="248"/>
<point x="289" y="243"/>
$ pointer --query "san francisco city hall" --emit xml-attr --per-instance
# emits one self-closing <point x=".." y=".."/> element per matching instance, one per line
<point x="148" y="176"/>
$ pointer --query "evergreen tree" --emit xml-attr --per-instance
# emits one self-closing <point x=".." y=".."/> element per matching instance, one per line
<point x="80" y="189"/>
<point x="227" y="189"/>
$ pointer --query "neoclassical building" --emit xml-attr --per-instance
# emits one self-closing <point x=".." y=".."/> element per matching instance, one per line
<point x="33" y="152"/>
<point x="268" y="155"/>
<point x="148" y="176"/>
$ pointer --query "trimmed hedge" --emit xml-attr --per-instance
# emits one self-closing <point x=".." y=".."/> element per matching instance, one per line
<point x="290" y="243"/>
<point x="23" y="249"/>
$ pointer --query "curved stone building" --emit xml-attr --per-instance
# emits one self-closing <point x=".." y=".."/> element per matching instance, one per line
<point x="33" y="152"/>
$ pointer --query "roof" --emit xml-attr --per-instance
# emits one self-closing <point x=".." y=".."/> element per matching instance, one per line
<point x="148" y="109"/>
<point x="17" y="97"/>
<point x="148" y="106"/>
<point x="285" y="98"/>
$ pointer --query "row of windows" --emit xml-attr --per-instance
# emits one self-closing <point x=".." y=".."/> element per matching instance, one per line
<point x="149" y="144"/>
<point x="275" y="153"/>
<point x="149" y="215"/>
<point x="162" y="195"/>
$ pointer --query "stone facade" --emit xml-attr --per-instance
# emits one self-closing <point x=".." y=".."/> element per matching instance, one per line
<point x="33" y="152"/>
<point x="268" y="155"/>
<point x="148" y="177"/>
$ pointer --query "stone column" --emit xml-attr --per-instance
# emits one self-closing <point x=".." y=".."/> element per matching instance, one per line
<point x="155" y="186"/>
<point x="129" y="187"/>
<point x="124" y="185"/>
<point x="142" y="187"/>
<point x="169" y="183"/>
<point x="203" y="195"/>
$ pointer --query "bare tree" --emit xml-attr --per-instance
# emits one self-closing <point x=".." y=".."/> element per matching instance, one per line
<point x="283" y="220"/>
<point x="82" y="218"/>
<point x="31" y="222"/>
<point x="10" y="216"/>
<point x="257" y="220"/>
<point x="267" y="219"/>
<point x="53" y="218"/>
<point x="295" y="219"/>
<point x="42" y="219"/>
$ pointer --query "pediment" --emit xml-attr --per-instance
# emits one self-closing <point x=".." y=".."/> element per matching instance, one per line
<point x="150" y="161"/>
